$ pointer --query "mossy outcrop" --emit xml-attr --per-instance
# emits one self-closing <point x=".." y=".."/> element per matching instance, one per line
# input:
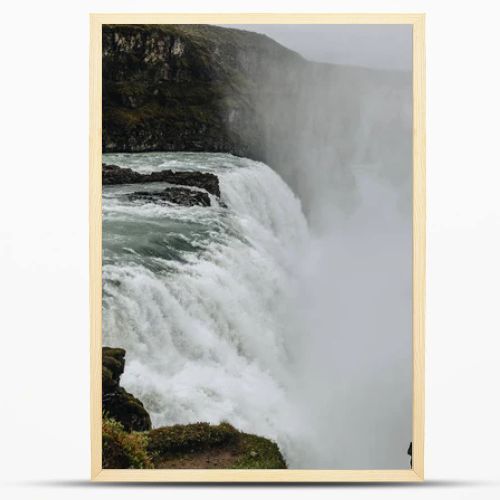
<point x="122" y="449"/>
<point x="191" y="446"/>
<point x="117" y="403"/>
<point x="205" y="446"/>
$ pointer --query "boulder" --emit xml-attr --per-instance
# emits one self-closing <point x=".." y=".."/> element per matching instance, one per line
<point x="112" y="174"/>
<point x="177" y="195"/>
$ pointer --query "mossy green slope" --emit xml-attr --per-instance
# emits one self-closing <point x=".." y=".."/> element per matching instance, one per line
<point x="123" y="450"/>
<point x="191" y="446"/>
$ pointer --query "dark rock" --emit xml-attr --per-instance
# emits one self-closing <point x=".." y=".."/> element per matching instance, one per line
<point x="112" y="174"/>
<point x="113" y="364"/>
<point x="126" y="409"/>
<point x="185" y="87"/>
<point x="117" y="403"/>
<point x="177" y="195"/>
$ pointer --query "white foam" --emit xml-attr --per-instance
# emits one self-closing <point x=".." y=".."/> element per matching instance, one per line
<point x="206" y="338"/>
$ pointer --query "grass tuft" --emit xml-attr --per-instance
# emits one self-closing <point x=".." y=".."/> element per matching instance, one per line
<point x="123" y="450"/>
<point x="191" y="437"/>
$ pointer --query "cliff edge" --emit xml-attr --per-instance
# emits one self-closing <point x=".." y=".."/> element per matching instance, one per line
<point x="186" y="87"/>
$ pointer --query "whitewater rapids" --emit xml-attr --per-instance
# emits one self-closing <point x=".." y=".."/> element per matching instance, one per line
<point x="199" y="296"/>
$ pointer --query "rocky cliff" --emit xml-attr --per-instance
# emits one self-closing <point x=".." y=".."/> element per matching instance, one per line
<point x="186" y="87"/>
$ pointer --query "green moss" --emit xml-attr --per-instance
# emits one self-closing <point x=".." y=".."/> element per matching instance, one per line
<point x="129" y="118"/>
<point x="181" y="443"/>
<point x="131" y="88"/>
<point x="191" y="437"/>
<point x="192" y="445"/>
<point x="123" y="450"/>
<point x="258" y="453"/>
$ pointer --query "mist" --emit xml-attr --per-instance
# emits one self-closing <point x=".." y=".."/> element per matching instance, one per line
<point x="340" y="137"/>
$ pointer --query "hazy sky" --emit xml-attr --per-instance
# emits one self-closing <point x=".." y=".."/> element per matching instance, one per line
<point x="377" y="46"/>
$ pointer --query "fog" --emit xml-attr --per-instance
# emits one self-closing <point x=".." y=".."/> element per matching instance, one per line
<point x="378" y="46"/>
<point x="340" y="137"/>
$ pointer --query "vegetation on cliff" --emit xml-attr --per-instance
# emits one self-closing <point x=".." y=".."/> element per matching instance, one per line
<point x="123" y="450"/>
<point x="185" y="87"/>
<point x="191" y="446"/>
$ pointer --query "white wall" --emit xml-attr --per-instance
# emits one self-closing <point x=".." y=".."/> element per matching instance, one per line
<point x="43" y="248"/>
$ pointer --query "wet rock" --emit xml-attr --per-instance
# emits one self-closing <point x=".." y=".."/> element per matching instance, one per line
<point x="113" y="364"/>
<point x="117" y="403"/>
<point x="178" y="195"/>
<point x="112" y="174"/>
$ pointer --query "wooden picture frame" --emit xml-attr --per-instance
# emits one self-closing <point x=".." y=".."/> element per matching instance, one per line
<point x="416" y="473"/>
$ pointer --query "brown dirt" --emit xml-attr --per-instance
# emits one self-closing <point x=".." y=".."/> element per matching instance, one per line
<point x="215" y="458"/>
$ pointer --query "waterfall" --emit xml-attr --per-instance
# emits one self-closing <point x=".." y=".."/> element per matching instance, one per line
<point x="199" y="296"/>
<point x="241" y="312"/>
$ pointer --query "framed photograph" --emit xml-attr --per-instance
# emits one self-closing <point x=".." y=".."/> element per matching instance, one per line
<point x="257" y="247"/>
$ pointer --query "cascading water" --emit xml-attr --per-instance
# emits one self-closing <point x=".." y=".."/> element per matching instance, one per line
<point x="200" y="296"/>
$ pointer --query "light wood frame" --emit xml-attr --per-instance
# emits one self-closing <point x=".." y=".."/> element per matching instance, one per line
<point x="171" y="475"/>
